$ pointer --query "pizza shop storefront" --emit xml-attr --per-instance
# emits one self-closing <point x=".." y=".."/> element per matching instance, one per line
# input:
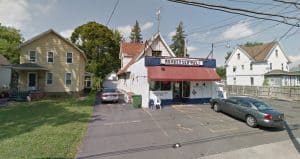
<point x="182" y="80"/>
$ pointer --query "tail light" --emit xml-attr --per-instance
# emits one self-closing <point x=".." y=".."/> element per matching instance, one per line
<point x="268" y="116"/>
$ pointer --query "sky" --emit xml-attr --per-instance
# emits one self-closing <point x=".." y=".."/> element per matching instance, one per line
<point x="202" y="26"/>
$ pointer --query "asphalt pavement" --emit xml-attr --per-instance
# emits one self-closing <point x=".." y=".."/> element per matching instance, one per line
<point x="118" y="131"/>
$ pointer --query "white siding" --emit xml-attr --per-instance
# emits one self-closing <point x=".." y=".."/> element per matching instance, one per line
<point x="243" y="76"/>
<point x="5" y="77"/>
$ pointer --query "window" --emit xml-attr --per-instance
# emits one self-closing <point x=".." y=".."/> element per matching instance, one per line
<point x="50" y="57"/>
<point x="160" y="86"/>
<point x="234" y="80"/>
<point x="68" y="78"/>
<point x="282" y="66"/>
<point x="69" y="57"/>
<point x="251" y="66"/>
<point x="234" y="69"/>
<point x="252" y="81"/>
<point x="276" y="53"/>
<point x="156" y="53"/>
<point x="32" y="56"/>
<point x="270" y="66"/>
<point x="242" y="67"/>
<point x="238" y="56"/>
<point x="49" y="78"/>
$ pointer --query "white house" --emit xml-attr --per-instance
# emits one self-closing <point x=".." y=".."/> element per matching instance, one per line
<point x="247" y="65"/>
<point x="151" y="70"/>
<point x="5" y="73"/>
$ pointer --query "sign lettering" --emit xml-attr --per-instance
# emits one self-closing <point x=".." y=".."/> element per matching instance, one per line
<point x="181" y="61"/>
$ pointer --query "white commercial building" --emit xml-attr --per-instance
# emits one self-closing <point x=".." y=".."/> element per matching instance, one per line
<point x="247" y="65"/>
<point x="151" y="70"/>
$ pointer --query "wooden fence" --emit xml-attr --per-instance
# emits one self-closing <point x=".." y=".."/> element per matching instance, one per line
<point x="287" y="93"/>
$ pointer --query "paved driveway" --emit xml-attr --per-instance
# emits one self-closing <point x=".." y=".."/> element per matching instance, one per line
<point x="117" y="131"/>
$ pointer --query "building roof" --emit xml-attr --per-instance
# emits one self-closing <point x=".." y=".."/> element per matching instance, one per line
<point x="3" y="60"/>
<point x="177" y="73"/>
<point x="280" y="73"/>
<point x="258" y="52"/>
<point x="28" y="66"/>
<point x="131" y="49"/>
<point x="54" y="32"/>
<point x="137" y="55"/>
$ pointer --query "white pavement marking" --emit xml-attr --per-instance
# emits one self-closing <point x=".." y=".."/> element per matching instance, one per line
<point x="123" y="122"/>
<point x="157" y="124"/>
<point x="184" y="129"/>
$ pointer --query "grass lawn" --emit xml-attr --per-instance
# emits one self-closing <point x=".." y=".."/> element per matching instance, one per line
<point x="50" y="128"/>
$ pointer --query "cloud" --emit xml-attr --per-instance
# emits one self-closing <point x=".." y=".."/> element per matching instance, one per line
<point x="172" y="33"/>
<point x="237" y="31"/>
<point x="191" y="48"/>
<point x="126" y="30"/>
<point x="146" y="26"/>
<point x="15" y="13"/>
<point x="67" y="33"/>
<point x="295" y="60"/>
<point x="19" y="13"/>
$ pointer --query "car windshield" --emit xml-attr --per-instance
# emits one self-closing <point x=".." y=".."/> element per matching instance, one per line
<point x="107" y="90"/>
<point x="261" y="105"/>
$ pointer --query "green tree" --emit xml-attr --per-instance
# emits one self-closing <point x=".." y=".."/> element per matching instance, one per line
<point x="249" y="44"/>
<point x="101" y="46"/>
<point x="228" y="54"/>
<point x="10" y="39"/>
<point x="221" y="72"/>
<point x="178" y="45"/>
<point x="135" y="35"/>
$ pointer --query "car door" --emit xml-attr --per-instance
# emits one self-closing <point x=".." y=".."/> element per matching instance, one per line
<point x="242" y="108"/>
<point x="229" y="106"/>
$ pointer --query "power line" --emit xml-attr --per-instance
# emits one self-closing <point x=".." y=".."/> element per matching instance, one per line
<point x="240" y="12"/>
<point x="256" y="3"/>
<point x="288" y="2"/>
<point x="112" y="13"/>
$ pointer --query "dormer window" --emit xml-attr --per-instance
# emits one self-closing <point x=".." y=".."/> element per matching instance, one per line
<point x="276" y="53"/>
<point x="32" y="56"/>
<point x="156" y="53"/>
<point x="238" y="56"/>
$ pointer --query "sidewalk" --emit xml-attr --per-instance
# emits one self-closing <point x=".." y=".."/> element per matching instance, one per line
<point x="278" y="150"/>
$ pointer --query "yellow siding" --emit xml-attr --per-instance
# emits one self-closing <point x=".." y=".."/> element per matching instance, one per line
<point x="59" y="67"/>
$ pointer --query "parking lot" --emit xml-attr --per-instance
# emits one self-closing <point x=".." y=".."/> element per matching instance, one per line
<point x="119" y="131"/>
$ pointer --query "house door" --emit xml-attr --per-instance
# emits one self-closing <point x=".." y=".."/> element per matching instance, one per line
<point x="181" y="91"/>
<point x="32" y="81"/>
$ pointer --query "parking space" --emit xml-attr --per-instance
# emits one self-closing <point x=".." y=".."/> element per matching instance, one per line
<point x="119" y="131"/>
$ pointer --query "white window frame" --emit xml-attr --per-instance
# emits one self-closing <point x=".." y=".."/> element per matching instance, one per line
<point x="66" y="78"/>
<point x="47" y="57"/>
<point x="35" y="56"/>
<point x="67" y="57"/>
<point x="47" y="78"/>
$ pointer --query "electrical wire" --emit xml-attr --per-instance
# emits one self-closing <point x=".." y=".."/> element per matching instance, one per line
<point x="112" y="13"/>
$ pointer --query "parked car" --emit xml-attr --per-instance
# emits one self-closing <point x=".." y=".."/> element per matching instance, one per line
<point x="109" y="95"/>
<point x="251" y="110"/>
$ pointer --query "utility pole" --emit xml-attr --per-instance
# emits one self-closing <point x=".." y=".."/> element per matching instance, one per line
<point x="185" y="52"/>
<point x="212" y="50"/>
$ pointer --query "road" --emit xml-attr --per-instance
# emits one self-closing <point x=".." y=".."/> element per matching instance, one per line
<point x="118" y="131"/>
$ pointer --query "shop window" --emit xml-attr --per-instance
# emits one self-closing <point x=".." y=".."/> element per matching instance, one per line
<point x="160" y="86"/>
<point x="186" y="89"/>
<point x="156" y="53"/>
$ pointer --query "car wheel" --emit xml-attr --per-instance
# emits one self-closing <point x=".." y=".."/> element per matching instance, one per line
<point x="216" y="107"/>
<point x="251" y="121"/>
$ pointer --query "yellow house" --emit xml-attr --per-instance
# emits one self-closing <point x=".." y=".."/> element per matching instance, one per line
<point x="50" y="63"/>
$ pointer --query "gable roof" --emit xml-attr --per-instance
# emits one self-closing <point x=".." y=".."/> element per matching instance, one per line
<point x="146" y="46"/>
<point x="3" y="60"/>
<point x="131" y="49"/>
<point x="58" y="35"/>
<point x="259" y="52"/>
